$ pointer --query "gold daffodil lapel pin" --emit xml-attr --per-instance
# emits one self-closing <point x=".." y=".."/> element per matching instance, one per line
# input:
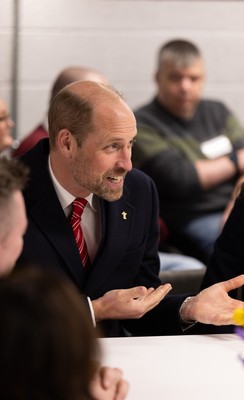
<point x="124" y="215"/>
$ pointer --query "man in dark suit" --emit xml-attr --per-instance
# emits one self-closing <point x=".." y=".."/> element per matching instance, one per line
<point x="88" y="156"/>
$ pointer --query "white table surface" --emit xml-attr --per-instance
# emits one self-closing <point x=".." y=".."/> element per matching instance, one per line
<point x="179" y="367"/>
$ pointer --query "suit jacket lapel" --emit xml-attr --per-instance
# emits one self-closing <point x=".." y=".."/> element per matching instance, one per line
<point x="117" y="222"/>
<point x="43" y="206"/>
<point x="60" y="235"/>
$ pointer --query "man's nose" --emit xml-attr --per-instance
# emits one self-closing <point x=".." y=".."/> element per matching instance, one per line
<point x="10" y="122"/>
<point x="125" y="160"/>
<point x="186" y="84"/>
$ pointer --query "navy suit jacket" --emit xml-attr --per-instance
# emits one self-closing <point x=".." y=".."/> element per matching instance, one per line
<point x="128" y="252"/>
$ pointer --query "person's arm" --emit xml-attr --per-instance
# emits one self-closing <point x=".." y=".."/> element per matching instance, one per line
<point x="174" y="175"/>
<point x="214" y="172"/>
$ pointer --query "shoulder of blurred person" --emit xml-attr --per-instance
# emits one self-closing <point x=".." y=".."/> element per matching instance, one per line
<point x="40" y="132"/>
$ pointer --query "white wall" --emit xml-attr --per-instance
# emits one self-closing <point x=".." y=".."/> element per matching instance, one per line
<point x="120" y="38"/>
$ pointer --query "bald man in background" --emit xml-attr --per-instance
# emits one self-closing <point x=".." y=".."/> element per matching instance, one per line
<point x="65" y="77"/>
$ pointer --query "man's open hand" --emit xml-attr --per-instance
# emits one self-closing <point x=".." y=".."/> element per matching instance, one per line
<point x="213" y="305"/>
<point x="128" y="303"/>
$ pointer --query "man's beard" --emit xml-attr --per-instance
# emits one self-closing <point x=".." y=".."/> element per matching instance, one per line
<point x="86" y="178"/>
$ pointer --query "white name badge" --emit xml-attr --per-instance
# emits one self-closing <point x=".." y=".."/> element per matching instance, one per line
<point x="216" y="147"/>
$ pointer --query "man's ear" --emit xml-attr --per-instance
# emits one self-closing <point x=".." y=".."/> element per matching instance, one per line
<point x="66" y="142"/>
<point x="156" y="77"/>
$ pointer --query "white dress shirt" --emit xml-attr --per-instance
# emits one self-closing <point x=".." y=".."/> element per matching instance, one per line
<point x="90" y="221"/>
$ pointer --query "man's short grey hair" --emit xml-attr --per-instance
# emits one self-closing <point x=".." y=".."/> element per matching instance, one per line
<point x="179" y="52"/>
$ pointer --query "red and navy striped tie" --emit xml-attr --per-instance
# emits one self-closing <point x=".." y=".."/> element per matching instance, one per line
<point x="78" y="208"/>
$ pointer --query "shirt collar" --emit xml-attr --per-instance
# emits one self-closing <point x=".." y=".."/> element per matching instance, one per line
<point x="66" y="198"/>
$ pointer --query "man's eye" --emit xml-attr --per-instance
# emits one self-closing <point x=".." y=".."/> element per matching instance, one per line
<point x="4" y="118"/>
<point x="113" y="146"/>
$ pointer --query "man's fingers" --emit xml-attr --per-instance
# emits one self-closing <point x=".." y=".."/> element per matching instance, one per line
<point x="141" y="292"/>
<point x="157" y="295"/>
<point x="109" y="376"/>
<point x="122" y="390"/>
<point x="138" y="291"/>
<point x="233" y="283"/>
<point x="150" y="299"/>
<point x="162" y="290"/>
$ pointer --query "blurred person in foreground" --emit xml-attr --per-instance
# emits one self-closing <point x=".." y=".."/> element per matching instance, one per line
<point x="47" y="342"/>
<point x="191" y="147"/>
<point x="87" y="160"/>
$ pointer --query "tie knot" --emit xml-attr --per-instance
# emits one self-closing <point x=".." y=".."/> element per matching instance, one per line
<point x="78" y="207"/>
